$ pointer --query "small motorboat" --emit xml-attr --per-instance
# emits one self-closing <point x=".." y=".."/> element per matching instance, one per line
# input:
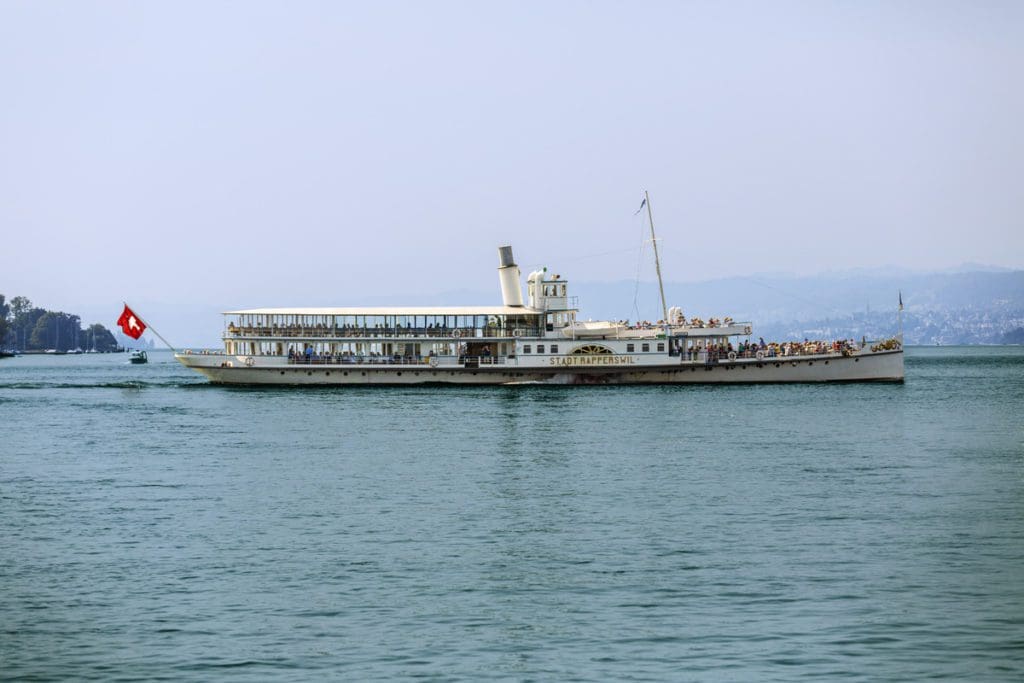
<point x="138" y="358"/>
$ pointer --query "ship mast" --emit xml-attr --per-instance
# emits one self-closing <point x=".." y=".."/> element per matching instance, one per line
<point x="657" y="261"/>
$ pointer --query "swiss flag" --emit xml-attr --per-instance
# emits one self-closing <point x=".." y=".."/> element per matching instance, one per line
<point x="130" y="323"/>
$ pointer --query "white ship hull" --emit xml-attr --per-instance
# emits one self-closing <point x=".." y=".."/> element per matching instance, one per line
<point x="882" y="366"/>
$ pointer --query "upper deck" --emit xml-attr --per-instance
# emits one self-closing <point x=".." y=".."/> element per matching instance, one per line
<point x="388" y="321"/>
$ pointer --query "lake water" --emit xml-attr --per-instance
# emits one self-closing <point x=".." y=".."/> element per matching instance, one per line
<point x="153" y="526"/>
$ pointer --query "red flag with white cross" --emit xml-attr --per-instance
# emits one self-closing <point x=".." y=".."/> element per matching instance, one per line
<point x="130" y="323"/>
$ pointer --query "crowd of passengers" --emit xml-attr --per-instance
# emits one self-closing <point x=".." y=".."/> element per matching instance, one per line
<point x="762" y="349"/>
<point x="694" y="322"/>
<point x="311" y="356"/>
<point x="354" y="331"/>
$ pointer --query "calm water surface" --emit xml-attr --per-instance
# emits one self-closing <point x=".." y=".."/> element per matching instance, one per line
<point x="153" y="526"/>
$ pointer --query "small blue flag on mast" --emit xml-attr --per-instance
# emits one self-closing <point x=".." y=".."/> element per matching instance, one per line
<point x="643" y="203"/>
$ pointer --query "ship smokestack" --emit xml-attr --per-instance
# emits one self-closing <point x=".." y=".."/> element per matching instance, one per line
<point x="508" y="276"/>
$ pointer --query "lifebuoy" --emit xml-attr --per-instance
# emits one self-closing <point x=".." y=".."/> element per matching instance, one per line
<point x="456" y="333"/>
<point x="747" y="330"/>
<point x="517" y="332"/>
<point x="250" y="361"/>
<point x="433" y="361"/>
<point x="732" y="355"/>
<point x="760" y="355"/>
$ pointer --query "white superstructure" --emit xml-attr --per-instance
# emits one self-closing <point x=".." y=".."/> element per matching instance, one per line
<point x="539" y="341"/>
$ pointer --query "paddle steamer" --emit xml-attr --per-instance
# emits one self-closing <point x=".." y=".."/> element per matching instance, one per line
<point x="536" y="341"/>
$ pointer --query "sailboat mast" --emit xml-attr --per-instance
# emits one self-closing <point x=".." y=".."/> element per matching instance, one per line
<point x="657" y="261"/>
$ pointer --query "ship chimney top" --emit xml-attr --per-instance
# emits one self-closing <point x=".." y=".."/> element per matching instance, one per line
<point x="505" y="257"/>
<point x="508" y="277"/>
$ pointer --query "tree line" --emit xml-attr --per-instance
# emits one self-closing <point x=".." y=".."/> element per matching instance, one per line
<point x="24" y="327"/>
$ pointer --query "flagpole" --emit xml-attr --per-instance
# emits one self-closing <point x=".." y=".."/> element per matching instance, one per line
<point x="152" y="329"/>
<point x="899" y="317"/>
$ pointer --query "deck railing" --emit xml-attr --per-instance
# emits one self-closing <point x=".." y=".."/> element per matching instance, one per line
<point x="768" y="355"/>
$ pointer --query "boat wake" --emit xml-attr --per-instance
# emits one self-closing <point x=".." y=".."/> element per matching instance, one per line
<point x="102" y="385"/>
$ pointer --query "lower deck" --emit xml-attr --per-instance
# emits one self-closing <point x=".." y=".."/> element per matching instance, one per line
<point x="885" y="366"/>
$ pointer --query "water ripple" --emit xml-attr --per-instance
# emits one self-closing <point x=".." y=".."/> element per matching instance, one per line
<point x="157" y="527"/>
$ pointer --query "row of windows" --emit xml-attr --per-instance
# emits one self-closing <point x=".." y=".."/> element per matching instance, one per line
<point x="630" y="348"/>
<point x="540" y="348"/>
<point x="359" y="321"/>
<point x="645" y="347"/>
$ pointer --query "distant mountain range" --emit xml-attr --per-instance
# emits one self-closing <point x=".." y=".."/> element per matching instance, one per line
<point x="957" y="306"/>
<point x="960" y="307"/>
<point x="767" y="298"/>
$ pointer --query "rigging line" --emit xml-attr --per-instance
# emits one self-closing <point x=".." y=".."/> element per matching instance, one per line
<point x="809" y="302"/>
<point x="639" y="263"/>
<point x="780" y="290"/>
<point x="816" y="305"/>
<point x="630" y="250"/>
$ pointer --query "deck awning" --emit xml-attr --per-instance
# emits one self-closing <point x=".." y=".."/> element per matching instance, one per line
<point x="393" y="310"/>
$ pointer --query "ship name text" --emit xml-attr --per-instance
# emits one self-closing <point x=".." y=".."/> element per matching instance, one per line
<point x="593" y="360"/>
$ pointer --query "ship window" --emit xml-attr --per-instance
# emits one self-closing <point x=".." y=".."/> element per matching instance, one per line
<point x="526" y="348"/>
<point x="554" y="348"/>
<point x="540" y="348"/>
<point x="630" y="348"/>
<point x="661" y="346"/>
<point x="645" y="348"/>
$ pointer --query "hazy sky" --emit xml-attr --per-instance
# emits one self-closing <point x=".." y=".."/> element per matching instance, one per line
<point x="190" y="156"/>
